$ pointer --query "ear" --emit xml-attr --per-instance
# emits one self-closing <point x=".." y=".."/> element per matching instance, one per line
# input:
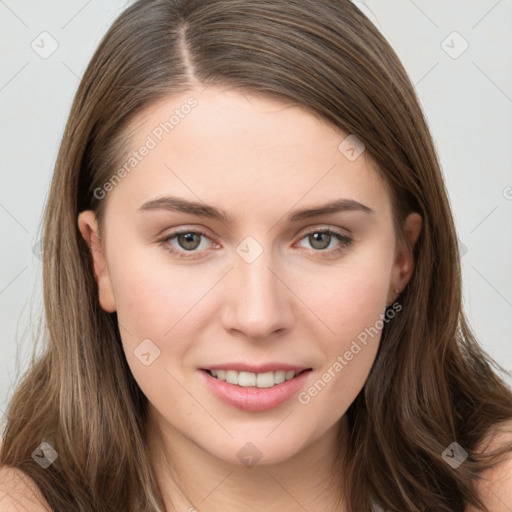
<point x="88" y="226"/>
<point x="404" y="259"/>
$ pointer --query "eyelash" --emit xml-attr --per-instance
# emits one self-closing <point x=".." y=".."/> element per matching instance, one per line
<point x="345" y="242"/>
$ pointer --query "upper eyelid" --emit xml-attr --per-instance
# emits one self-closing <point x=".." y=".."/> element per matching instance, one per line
<point x="305" y="231"/>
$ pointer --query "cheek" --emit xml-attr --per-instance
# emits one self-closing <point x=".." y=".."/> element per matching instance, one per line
<point x="351" y="303"/>
<point x="349" y="298"/>
<point x="161" y="309"/>
<point x="348" y="355"/>
<point x="153" y="295"/>
<point x="158" y="306"/>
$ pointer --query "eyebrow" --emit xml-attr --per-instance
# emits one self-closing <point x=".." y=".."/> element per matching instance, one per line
<point x="178" y="204"/>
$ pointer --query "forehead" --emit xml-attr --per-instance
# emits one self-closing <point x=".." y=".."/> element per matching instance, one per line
<point x="247" y="151"/>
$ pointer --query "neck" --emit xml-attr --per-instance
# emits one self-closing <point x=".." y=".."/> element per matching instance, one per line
<point x="192" y="480"/>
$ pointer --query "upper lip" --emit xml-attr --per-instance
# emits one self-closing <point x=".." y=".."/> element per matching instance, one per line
<point x="261" y="368"/>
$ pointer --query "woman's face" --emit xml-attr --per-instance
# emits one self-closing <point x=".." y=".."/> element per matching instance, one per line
<point x="259" y="283"/>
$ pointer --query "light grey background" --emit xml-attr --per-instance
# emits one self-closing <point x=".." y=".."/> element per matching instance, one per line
<point x="466" y="95"/>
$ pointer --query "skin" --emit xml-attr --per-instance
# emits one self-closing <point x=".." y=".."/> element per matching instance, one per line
<point x="259" y="160"/>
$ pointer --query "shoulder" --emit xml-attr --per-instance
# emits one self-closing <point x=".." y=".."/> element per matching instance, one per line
<point x="19" y="493"/>
<point x="495" y="484"/>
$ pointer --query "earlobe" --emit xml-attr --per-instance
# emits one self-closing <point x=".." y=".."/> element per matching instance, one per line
<point x="404" y="259"/>
<point x="88" y="226"/>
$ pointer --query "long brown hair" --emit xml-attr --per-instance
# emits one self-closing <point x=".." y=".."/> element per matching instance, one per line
<point x="431" y="383"/>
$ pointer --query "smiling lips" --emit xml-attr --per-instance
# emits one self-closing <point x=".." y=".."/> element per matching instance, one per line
<point x="248" y="379"/>
<point x="262" y="376"/>
<point x="254" y="388"/>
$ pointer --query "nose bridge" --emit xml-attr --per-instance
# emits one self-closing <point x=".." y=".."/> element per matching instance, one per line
<point x="260" y="303"/>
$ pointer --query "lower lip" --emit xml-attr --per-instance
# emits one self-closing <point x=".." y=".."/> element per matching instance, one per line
<point x="251" y="398"/>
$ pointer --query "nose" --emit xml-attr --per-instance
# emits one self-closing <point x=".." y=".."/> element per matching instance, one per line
<point x="259" y="303"/>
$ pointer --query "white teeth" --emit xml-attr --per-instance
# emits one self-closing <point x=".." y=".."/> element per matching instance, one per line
<point x="248" y="379"/>
<point x="265" y="380"/>
<point x="231" y="377"/>
<point x="280" y="376"/>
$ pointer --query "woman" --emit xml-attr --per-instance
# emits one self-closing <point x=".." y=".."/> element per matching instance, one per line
<point x="252" y="282"/>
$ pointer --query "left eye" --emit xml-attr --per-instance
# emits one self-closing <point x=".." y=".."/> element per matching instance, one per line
<point x="321" y="240"/>
<point x="189" y="242"/>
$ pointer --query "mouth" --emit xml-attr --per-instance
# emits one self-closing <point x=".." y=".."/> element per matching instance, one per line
<point x="262" y="380"/>
<point x="254" y="391"/>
